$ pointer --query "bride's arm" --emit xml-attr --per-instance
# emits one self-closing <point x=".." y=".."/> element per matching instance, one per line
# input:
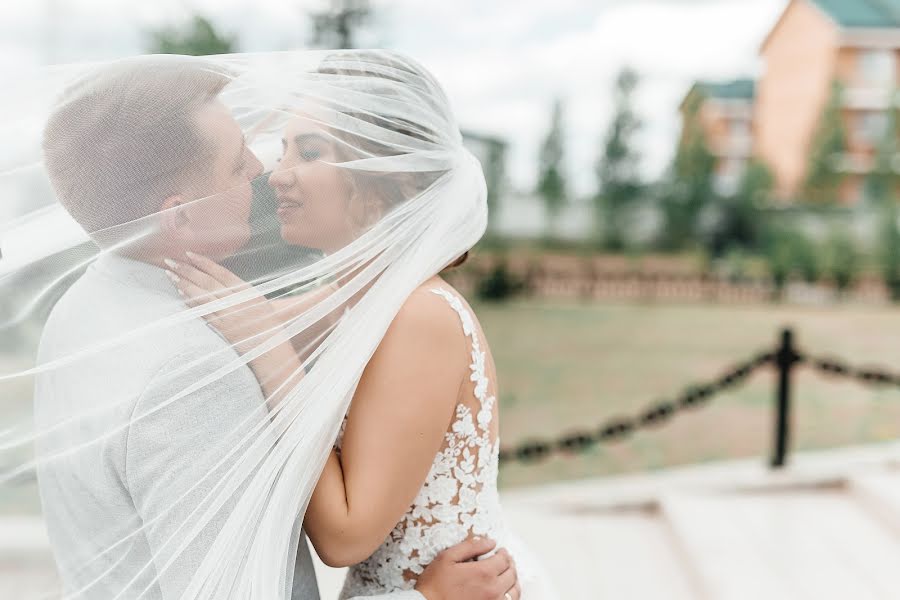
<point x="401" y="409"/>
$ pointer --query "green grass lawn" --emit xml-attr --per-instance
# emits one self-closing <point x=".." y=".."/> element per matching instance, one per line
<point x="564" y="366"/>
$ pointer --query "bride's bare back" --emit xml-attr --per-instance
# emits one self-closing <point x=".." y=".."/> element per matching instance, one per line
<point x="458" y="498"/>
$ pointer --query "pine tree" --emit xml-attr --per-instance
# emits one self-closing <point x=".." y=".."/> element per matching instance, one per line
<point x="690" y="181"/>
<point x="337" y="26"/>
<point x="551" y="182"/>
<point x="829" y="143"/>
<point x="617" y="169"/>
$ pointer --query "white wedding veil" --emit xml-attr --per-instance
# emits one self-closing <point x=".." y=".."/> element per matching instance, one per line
<point x="333" y="182"/>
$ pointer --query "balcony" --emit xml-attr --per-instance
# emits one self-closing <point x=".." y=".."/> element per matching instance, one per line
<point x="869" y="97"/>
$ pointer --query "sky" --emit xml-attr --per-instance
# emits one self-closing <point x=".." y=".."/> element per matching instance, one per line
<point x="502" y="62"/>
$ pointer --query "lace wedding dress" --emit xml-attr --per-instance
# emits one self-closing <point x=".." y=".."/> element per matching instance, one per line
<point x="459" y="498"/>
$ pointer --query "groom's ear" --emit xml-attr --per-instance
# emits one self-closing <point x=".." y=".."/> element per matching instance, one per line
<point x="173" y="214"/>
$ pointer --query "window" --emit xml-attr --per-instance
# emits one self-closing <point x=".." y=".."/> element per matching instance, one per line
<point x="869" y="127"/>
<point x="741" y="136"/>
<point x="740" y="128"/>
<point x="876" y="67"/>
<point x="728" y="175"/>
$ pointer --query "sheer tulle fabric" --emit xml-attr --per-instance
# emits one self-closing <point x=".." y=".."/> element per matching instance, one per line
<point x="335" y="181"/>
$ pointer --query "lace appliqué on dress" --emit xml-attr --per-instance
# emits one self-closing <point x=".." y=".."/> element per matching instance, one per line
<point x="459" y="497"/>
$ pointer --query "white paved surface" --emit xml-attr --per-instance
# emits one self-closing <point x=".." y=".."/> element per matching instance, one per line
<point x="825" y="528"/>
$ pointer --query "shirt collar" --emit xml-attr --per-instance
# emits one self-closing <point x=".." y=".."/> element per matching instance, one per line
<point x="135" y="273"/>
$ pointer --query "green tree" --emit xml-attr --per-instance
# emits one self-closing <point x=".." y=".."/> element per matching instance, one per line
<point x="842" y="260"/>
<point x="198" y="38"/>
<point x="337" y="26"/>
<point x="889" y="249"/>
<point x="689" y="185"/>
<point x="881" y="190"/>
<point x="829" y="144"/>
<point x="742" y="220"/>
<point x="617" y="169"/>
<point x="551" y="181"/>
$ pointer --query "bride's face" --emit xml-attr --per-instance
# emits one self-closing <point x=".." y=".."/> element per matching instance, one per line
<point x="314" y="198"/>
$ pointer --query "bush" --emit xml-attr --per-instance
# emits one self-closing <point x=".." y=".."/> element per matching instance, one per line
<point x="806" y="259"/>
<point x="842" y="260"/>
<point x="735" y="264"/>
<point x="779" y="259"/>
<point x="499" y="284"/>
<point x="789" y="252"/>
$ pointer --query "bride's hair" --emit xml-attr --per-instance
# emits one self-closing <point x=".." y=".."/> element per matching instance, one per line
<point x="462" y="258"/>
<point x="387" y="188"/>
<point x="383" y="187"/>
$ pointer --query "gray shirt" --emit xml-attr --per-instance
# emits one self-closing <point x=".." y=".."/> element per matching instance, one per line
<point x="103" y="492"/>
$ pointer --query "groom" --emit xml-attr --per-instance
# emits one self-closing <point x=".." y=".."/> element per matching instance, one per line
<point x="133" y="153"/>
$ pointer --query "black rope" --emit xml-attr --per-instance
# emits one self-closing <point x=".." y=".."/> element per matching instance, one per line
<point x="867" y="376"/>
<point x="694" y="396"/>
<point x="652" y="416"/>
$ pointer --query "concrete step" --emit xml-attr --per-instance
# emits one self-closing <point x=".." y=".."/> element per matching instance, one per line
<point x="879" y="492"/>
<point x="784" y="545"/>
<point x="615" y="554"/>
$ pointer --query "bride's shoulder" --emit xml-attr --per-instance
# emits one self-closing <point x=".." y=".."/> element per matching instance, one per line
<point x="430" y="314"/>
<point x="424" y="302"/>
<point x="426" y="332"/>
<point x="437" y="297"/>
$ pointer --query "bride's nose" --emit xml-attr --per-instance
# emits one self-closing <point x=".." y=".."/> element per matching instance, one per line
<point x="282" y="178"/>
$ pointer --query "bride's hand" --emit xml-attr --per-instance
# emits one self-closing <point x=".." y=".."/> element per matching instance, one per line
<point x="201" y="280"/>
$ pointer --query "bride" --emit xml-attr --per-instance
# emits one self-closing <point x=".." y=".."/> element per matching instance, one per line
<point x="414" y="468"/>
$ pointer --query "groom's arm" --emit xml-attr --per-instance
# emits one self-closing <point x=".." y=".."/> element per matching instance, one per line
<point x="410" y="595"/>
<point x="456" y="575"/>
<point x="173" y="451"/>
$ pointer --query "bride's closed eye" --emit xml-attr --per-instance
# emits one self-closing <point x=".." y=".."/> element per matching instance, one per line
<point x="310" y="154"/>
<point x="307" y="155"/>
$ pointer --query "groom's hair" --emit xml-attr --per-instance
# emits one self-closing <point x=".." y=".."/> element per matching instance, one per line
<point x="124" y="138"/>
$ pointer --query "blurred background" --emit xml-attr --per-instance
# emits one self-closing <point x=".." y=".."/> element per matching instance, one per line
<point x="691" y="273"/>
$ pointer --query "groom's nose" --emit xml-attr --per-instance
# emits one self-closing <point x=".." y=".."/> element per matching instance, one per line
<point x="256" y="166"/>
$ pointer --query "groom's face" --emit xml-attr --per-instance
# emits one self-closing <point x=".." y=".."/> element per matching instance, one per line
<point x="213" y="211"/>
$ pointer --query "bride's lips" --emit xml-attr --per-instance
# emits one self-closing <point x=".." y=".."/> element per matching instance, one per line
<point x="288" y="206"/>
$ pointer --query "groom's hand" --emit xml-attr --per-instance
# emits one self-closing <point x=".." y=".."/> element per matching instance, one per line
<point x="456" y="575"/>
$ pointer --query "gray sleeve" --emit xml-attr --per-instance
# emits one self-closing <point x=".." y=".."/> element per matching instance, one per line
<point x="177" y="448"/>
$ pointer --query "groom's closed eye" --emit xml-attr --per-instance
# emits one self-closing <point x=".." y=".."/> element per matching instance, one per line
<point x="241" y="161"/>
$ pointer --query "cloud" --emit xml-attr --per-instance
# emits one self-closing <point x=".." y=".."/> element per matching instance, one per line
<point x="502" y="63"/>
<point x="507" y="88"/>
